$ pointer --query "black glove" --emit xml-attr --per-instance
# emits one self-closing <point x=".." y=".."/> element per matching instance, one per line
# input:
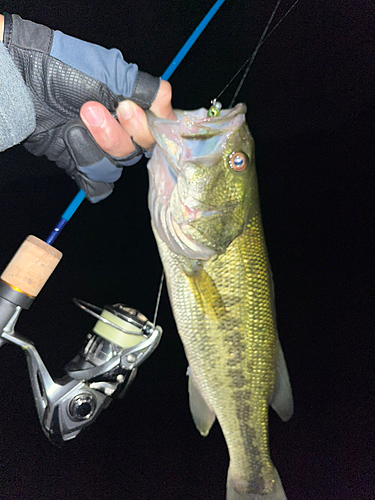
<point x="62" y="73"/>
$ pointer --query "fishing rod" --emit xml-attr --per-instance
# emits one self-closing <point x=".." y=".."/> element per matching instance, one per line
<point x="120" y="341"/>
<point x="78" y="199"/>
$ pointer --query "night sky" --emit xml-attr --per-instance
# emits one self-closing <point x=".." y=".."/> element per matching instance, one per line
<point x="310" y="97"/>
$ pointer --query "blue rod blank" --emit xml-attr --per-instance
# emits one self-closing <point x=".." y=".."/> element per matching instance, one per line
<point x="74" y="204"/>
<point x="191" y="40"/>
<point x="77" y="200"/>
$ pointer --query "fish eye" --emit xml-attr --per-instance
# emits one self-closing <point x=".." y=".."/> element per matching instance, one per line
<point x="238" y="161"/>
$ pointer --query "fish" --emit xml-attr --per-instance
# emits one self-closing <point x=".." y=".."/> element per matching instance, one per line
<point x="205" y="215"/>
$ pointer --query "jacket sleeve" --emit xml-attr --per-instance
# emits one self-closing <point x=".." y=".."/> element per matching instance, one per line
<point x="17" y="115"/>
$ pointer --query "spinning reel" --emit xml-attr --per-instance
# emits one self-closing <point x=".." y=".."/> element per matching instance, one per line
<point x="120" y="341"/>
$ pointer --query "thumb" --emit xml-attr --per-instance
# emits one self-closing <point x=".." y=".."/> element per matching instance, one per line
<point x="162" y="105"/>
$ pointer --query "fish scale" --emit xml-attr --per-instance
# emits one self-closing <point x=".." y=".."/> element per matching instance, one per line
<point x="223" y="303"/>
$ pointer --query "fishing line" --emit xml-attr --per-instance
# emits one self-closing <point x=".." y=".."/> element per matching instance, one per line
<point x="159" y="296"/>
<point x="281" y="20"/>
<point x="250" y="60"/>
<point x="254" y="54"/>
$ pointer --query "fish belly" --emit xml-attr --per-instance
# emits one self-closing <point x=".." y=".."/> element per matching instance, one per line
<point x="232" y="352"/>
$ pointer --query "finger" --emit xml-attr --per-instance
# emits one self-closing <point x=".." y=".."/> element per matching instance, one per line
<point x="162" y="105"/>
<point x="134" y="121"/>
<point x="106" y="131"/>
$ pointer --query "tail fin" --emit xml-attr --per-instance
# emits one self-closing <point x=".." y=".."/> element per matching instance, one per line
<point x="236" y="492"/>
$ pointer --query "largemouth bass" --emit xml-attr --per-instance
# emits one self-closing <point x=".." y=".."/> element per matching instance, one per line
<point x="206" y="219"/>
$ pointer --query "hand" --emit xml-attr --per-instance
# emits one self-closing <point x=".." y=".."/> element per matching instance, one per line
<point x="113" y="136"/>
<point x="63" y="73"/>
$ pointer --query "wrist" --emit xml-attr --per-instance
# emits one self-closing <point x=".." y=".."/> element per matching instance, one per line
<point x="1" y="27"/>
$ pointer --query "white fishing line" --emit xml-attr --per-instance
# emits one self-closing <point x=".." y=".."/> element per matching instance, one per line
<point x="249" y="62"/>
<point x="159" y="296"/>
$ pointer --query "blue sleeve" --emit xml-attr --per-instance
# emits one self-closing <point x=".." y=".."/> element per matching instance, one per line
<point x="17" y="115"/>
<point x="106" y="66"/>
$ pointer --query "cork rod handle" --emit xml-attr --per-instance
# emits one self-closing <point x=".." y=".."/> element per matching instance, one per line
<point x="31" y="266"/>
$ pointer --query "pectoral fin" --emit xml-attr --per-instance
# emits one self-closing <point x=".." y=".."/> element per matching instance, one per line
<point x="206" y="294"/>
<point x="202" y="414"/>
<point x="282" y="398"/>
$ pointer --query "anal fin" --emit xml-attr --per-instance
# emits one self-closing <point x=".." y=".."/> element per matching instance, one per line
<point x="282" y="398"/>
<point x="202" y="414"/>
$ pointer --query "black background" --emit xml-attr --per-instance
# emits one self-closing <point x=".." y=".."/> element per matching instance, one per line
<point x="310" y="97"/>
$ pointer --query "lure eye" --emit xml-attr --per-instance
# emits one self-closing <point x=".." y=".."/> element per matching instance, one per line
<point x="239" y="161"/>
